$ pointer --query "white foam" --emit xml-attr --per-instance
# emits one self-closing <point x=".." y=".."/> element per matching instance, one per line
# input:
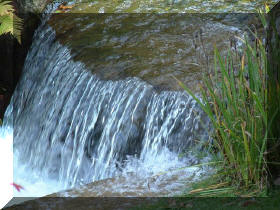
<point x="34" y="185"/>
<point x="6" y="163"/>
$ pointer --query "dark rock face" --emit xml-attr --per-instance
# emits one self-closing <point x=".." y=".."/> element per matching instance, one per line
<point x="12" y="54"/>
<point x="273" y="40"/>
<point x="32" y="6"/>
<point x="9" y="71"/>
<point x="273" y="50"/>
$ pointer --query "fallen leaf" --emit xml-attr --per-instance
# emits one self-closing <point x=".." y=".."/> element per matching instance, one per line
<point x="17" y="186"/>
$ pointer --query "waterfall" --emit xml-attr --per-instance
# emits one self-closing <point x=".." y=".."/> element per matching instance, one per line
<point x="74" y="128"/>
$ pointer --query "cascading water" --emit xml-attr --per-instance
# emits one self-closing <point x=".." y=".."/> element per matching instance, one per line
<point x="72" y="128"/>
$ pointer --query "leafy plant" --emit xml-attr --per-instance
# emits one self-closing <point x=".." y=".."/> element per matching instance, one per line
<point x="9" y="22"/>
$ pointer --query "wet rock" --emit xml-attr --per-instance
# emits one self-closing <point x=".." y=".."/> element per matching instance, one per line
<point x="32" y="6"/>
<point x="153" y="47"/>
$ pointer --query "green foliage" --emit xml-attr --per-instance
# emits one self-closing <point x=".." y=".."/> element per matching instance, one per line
<point x="236" y="102"/>
<point x="9" y="22"/>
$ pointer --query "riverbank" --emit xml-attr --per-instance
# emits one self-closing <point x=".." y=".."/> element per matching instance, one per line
<point x="270" y="202"/>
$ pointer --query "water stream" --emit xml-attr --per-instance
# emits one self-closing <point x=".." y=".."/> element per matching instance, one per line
<point x="70" y="128"/>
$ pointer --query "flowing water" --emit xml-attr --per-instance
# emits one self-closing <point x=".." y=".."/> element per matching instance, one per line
<point x="71" y="128"/>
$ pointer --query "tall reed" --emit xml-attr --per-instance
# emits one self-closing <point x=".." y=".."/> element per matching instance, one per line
<point x="235" y="99"/>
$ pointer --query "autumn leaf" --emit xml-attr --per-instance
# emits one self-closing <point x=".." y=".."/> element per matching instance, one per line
<point x="17" y="186"/>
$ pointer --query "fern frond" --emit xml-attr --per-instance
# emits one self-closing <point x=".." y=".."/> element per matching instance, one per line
<point x="6" y="7"/>
<point x="17" y="27"/>
<point x="6" y="26"/>
<point x="9" y="22"/>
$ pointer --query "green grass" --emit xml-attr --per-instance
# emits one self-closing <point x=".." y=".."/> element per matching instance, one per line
<point x="238" y="111"/>
<point x="235" y="98"/>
